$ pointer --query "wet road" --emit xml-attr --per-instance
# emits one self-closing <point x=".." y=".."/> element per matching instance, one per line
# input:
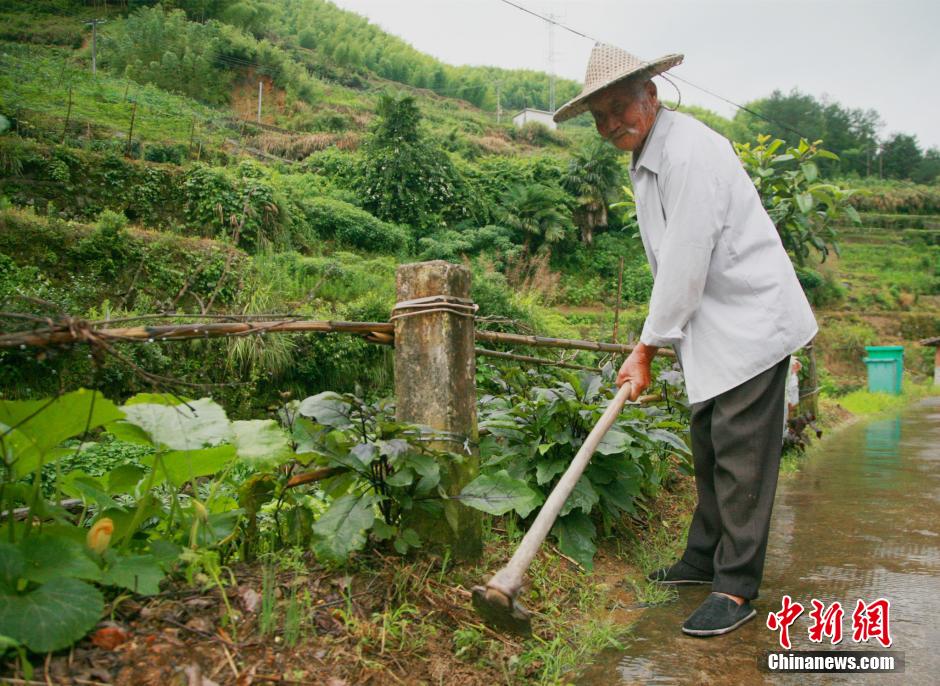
<point x="861" y="520"/>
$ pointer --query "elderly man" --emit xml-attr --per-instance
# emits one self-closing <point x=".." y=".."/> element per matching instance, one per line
<point x="726" y="298"/>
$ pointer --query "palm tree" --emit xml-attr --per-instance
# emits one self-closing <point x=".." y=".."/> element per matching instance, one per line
<point x="594" y="176"/>
<point x="537" y="211"/>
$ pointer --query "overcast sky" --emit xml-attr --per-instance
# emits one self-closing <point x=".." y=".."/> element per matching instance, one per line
<point x="881" y="54"/>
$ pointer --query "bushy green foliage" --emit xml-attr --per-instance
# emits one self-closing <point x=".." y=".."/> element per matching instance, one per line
<point x="353" y="227"/>
<point x="240" y="206"/>
<point x="406" y="179"/>
<point x="342" y="43"/>
<point x="821" y="289"/>
<point x="804" y="209"/>
<point x="539" y="214"/>
<point x="166" y="49"/>
<point x="850" y="133"/>
<point x="531" y="429"/>
<point x="469" y="240"/>
<point x="594" y="178"/>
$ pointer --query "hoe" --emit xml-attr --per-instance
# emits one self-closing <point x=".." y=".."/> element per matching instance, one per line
<point x="497" y="602"/>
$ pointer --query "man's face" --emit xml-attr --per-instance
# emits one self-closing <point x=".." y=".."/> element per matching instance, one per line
<point x="624" y="114"/>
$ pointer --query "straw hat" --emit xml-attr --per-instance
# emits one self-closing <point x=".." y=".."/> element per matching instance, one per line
<point x="607" y="66"/>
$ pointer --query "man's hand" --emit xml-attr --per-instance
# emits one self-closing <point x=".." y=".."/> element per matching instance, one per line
<point x="636" y="369"/>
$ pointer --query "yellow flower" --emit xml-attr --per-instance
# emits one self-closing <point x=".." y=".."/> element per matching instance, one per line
<point x="99" y="536"/>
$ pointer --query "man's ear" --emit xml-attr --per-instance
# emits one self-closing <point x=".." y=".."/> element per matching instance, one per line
<point x="651" y="89"/>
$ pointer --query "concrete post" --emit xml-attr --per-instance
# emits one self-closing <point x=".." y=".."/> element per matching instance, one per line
<point x="435" y="386"/>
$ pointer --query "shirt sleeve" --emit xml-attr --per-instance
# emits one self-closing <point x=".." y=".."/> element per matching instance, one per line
<point x="694" y="207"/>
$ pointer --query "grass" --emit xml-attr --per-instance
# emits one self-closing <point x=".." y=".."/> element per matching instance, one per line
<point x="865" y="403"/>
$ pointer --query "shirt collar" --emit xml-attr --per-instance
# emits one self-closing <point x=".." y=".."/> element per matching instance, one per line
<point x="651" y="153"/>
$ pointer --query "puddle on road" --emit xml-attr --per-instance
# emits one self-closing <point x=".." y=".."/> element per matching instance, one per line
<point x="861" y="520"/>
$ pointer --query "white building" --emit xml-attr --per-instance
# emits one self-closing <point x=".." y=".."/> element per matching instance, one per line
<point x="529" y="115"/>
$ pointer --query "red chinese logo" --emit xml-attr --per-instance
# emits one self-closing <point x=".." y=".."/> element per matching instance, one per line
<point x="781" y="621"/>
<point x="828" y="623"/>
<point x="871" y="621"/>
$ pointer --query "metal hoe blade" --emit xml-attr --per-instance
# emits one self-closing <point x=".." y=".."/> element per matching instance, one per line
<point x="502" y="612"/>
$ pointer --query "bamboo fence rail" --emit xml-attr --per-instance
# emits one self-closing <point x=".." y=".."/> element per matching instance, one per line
<point x="76" y="331"/>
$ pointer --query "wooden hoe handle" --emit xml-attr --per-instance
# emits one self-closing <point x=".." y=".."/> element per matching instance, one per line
<point x="508" y="580"/>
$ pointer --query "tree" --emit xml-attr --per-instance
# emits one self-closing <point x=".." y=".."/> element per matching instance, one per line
<point x="849" y="133"/>
<point x="536" y="211"/>
<point x="167" y="50"/>
<point x="594" y="177"/>
<point x="900" y="156"/>
<point x="929" y="168"/>
<point x="407" y="179"/>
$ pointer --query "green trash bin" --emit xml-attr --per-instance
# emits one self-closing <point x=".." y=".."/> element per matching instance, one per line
<point x="885" y="368"/>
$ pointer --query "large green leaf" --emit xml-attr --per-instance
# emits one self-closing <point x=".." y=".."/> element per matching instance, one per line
<point x="53" y="616"/>
<point x="618" y="494"/>
<point x="157" y="399"/>
<point x="546" y="470"/>
<point x="179" y="466"/>
<point x="261" y="442"/>
<point x="138" y="573"/>
<point x="11" y="566"/>
<point x="124" y="479"/>
<point x="38" y="426"/>
<point x="326" y="408"/>
<point x="197" y="424"/>
<point x="78" y="484"/>
<point x="614" y="442"/>
<point x="500" y="493"/>
<point x="804" y="201"/>
<point x="810" y="171"/>
<point x="583" y="497"/>
<point x="218" y="527"/>
<point x="575" y="532"/>
<point x="341" y="529"/>
<point x="670" y="439"/>
<point x="50" y="557"/>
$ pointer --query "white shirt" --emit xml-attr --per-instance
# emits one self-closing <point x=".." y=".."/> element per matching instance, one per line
<point x="725" y="295"/>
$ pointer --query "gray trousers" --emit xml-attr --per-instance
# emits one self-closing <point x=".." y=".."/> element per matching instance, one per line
<point x="736" y="445"/>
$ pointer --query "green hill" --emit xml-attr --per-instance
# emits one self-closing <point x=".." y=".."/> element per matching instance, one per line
<point x="166" y="136"/>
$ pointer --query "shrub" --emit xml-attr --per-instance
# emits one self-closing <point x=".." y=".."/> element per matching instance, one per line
<point x="452" y="244"/>
<point x="822" y="290"/>
<point x="351" y="226"/>
<point x="225" y="205"/>
<point x="165" y="152"/>
<point x="804" y="210"/>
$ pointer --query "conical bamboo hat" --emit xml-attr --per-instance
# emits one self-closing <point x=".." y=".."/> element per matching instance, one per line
<point x="608" y="65"/>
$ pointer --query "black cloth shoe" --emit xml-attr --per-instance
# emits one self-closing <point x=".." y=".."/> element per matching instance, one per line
<point x="718" y="615"/>
<point x="680" y="573"/>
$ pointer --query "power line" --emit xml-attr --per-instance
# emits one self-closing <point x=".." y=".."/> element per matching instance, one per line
<point x="551" y="20"/>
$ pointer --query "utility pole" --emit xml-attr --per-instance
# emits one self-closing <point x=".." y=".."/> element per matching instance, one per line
<point x="260" y="87"/>
<point x="499" y="107"/>
<point x="68" y="115"/>
<point x="551" y="63"/>
<point x="130" y="132"/>
<point x="94" y="43"/>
